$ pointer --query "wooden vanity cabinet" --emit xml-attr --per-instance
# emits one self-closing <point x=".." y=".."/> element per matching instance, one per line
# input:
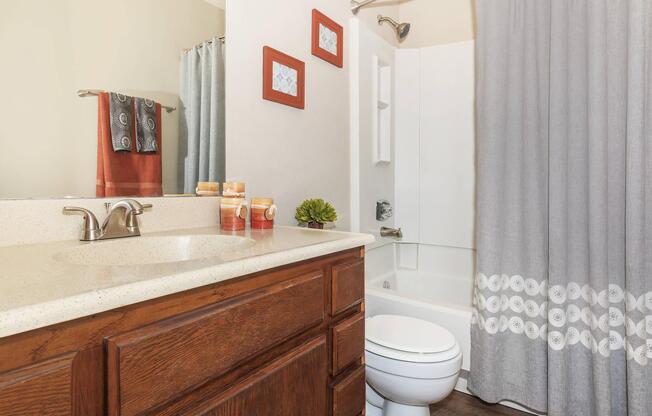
<point x="287" y="341"/>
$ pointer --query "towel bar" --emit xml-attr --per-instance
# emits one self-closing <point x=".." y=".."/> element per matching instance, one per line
<point x="95" y="93"/>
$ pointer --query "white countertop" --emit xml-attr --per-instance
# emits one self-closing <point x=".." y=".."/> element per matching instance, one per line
<point x="37" y="290"/>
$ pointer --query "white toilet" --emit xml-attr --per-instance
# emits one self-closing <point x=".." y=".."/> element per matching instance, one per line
<point x="410" y="364"/>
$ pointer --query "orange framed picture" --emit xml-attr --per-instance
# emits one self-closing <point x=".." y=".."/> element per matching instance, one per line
<point x="283" y="78"/>
<point x="327" y="39"/>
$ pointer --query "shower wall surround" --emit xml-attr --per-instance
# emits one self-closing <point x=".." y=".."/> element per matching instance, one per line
<point x="376" y="180"/>
<point x="435" y="165"/>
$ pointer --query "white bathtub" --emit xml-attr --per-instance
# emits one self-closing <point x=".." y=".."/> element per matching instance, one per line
<point x="428" y="292"/>
<point x="428" y="282"/>
<point x="441" y="300"/>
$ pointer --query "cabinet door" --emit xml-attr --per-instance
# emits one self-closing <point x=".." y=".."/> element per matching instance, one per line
<point x="348" y="342"/>
<point x="295" y="384"/>
<point x="149" y="366"/>
<point x="347" y="286"/>
<point x="349" y="394"/>
<point x="40" y="389"/>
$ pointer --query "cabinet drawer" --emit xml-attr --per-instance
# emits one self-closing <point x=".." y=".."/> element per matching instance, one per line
<point x="152" y="365"/>
<point x="41" y="389"/>
<point x="348" y="342"/>
<point x="347" y="286"/>
<point x="349" y="394"/>
<point x="295" y="384"/>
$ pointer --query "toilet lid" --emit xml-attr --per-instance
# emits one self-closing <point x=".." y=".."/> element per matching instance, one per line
<point x="408" y="334"/>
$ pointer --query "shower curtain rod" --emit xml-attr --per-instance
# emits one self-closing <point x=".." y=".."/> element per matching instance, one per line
<point x="357" y="5"/>
<point x="221" y="39"/>
<point x="95" y="93"/>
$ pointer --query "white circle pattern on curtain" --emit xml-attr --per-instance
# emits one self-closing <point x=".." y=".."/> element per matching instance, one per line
<point x="602" y="321"/>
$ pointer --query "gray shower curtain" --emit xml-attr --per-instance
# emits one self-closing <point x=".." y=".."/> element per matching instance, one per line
<point x="201" y="123"/>
<point x="562" y="319"/>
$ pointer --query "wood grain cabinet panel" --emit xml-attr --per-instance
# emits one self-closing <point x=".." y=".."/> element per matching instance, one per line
<point x="41" y="389"/>
<point x="152" y="365"/>
<point x="347" y="286"/>
<point x="293" y="385"/>
<point x="280" y="342"/>
<point x="348" y="342"/>
<point x="349" y="394"/>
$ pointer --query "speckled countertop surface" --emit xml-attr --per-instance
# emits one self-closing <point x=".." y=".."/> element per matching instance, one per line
<point x="41" y="285"/>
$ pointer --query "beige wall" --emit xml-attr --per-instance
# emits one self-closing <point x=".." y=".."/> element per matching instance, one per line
<point x="435" y="22"/>
<point x="53" y="48"/>
<point x="280" y="151"/>
<point x="292" y="154"/>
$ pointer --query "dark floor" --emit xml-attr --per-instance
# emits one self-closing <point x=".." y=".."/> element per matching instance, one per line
<point x="460" y="404"/>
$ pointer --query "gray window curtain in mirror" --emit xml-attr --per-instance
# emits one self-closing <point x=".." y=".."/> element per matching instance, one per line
<point x="562" y="317"/>
<point x="201" y="124"/>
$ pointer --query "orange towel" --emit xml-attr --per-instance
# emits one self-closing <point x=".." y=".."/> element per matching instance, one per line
<point x="126" y="173"/>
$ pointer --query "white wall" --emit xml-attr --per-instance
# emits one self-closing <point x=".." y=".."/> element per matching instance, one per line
<point x="376" y="179"/>
<point x="280" y="151"/>
<point x="53" y="48"/>
<point x="435" y="158"/>
<point x="447" y="157"/>
<point x="408" y="146"/>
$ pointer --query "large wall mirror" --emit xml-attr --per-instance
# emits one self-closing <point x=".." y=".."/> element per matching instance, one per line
<point x="111" y="98"/>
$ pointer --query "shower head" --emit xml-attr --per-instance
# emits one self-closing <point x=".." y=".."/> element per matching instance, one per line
<point x="402" y="29"/>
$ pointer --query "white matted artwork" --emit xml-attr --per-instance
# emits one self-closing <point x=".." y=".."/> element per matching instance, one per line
<point x="327" y="39"/>
<point x="284" y="79"/>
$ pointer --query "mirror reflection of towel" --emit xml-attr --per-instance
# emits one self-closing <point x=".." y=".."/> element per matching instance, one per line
<point x="126" y="173"/>
<point x="145" y="125"/>
<point x="121" y="115"/>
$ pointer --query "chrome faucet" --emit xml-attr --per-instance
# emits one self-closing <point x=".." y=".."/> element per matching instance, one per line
<point x="121" y="220"/>
<point x="391" y="232"/>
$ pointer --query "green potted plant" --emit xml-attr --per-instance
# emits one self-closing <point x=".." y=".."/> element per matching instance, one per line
<point x="315" y="213"/>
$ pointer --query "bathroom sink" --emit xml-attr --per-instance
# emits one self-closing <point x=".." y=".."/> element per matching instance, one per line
<point x="153" y="250"/>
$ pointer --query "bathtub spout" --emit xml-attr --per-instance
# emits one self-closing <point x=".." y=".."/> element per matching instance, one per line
<point x="391" y="232"/>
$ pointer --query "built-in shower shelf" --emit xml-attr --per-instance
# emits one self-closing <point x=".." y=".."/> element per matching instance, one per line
<point x="382" y="114"/>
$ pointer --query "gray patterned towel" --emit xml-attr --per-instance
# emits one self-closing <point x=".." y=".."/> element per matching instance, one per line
<point x="145" y="126"/>
<point x="121" y="121"/>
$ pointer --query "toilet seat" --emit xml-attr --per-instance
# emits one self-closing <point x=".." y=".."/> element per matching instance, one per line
<point x="409" y="339"/>
<point x="410" y="363"/>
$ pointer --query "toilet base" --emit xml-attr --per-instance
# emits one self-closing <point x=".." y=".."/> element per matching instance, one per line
<point x="397" y="409"/>
<point x="371" y="410"/>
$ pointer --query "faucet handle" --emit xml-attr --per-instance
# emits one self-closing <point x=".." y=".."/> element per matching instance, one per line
<point x="136" y="209"/>
<point x="91" y="228"/>
<point x="146" y="206"/>
<point x="135" y="206"/>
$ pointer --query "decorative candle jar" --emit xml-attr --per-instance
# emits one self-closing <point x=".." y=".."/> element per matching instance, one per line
<point x="263" y="212"/>
<point x="233" y="214"/>
<point x="233" y="190"/>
